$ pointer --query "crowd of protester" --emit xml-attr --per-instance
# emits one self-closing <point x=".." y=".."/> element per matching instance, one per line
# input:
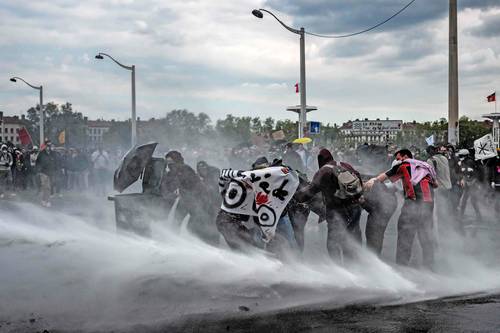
<point x="53" y="171"/>
<point x="436" y="186"/>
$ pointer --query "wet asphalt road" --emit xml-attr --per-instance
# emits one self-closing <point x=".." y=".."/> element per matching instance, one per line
<point x="474" y="313"/>
<point x="459" y="314"/>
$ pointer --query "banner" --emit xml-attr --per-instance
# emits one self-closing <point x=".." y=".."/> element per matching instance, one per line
<point x="25" y="137"/>
<point x="262" y="194"/>
<point x="278" y="135"/>
<point x="62" y="137"/>
<point x="430" y="140"/>
<point x="484" y="147"/>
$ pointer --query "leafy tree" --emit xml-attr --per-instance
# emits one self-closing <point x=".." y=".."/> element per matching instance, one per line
<point x="256" y="126"/>
<point x="234" y="129"/>
<point x="471" y="130"/>
<point x="57" y="119"/>
<point x="268" y="125"/>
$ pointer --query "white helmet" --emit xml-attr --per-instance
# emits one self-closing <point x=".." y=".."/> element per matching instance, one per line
<point x="35" y="148"/>
<point x="463" y="152"/>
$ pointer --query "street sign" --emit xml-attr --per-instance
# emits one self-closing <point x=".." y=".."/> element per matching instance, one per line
<point x="314" y="127"/>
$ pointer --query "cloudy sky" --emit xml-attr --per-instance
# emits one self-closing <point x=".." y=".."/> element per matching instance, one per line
<point x="213" y="56"/>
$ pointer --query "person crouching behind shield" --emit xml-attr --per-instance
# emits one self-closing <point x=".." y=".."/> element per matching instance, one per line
<point x="243" y="231"/>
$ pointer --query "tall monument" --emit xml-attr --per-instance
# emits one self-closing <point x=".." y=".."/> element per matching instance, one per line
<point x="453" y="129"/>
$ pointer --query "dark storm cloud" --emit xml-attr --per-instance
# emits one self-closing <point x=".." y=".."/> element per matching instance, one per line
<point x="345" y="16"/>
<point x="406" y="48"/>
<point x="407" y="39"/>
<point x="490" y="27"/>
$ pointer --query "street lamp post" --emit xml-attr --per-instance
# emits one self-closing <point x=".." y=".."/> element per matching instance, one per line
<point x="303" y="105"/>
<point x="40" y="89"/>
<point x="101" y="55"/>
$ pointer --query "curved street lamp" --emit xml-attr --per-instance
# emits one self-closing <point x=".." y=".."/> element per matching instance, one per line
<point x="40" y="88"/>
<point x="303" y="106"/>
<point x="101" y="56"/>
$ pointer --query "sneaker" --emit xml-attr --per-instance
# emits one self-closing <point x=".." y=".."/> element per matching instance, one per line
<point x="48" y="205"/>
<point x="2" y="196"/>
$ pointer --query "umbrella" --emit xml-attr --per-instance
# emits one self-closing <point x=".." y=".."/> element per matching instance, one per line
<point x="302" y="140"/>
<point x="132" y="165"/>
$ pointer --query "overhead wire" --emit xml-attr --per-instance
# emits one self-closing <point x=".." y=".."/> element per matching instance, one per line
<point x="365" y="30"/>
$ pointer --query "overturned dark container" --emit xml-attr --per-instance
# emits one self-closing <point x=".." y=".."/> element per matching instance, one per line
<point x="134" y="212"/>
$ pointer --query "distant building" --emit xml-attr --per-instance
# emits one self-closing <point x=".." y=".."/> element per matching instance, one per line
<point x="9" y="129"/>
<point x="370" y="131"/>
<point x="96" y="130"/>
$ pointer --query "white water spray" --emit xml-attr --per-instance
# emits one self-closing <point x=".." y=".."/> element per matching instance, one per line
<point x="75" y="272"/>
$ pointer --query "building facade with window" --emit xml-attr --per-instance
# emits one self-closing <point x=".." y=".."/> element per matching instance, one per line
<point x="96" y="130"/>
<point x="9" y="129"/>
<point x="376" y="131"/>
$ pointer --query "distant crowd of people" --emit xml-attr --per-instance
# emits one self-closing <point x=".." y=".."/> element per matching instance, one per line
<point x="52" y="171"/>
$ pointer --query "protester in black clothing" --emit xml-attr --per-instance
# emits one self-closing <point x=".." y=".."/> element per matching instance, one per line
<point x="299" y="213"/>
<point x="470" y="179"/>
<point x="46" y="165"/>
<point x="182" y="180"/>
<point x="380" y="202"/>
<point x="59" y="181"/>
<point x="493" y="165"/>
<point x="209" y="175"/>
<point x="19" y="170"/>
<point x="292" y="159"/>
<point x="341" y="187"/>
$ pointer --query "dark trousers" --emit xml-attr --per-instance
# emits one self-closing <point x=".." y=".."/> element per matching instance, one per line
<point x="298" y="216"/>
<point x="415" y="219"/>
<point x="237" y="236"/>
<point x="380" y="212"/>
<point x="201" y="221"/>
<point x="343" y="224"/>
<point x="471" y="192"/>
<point x="375" y="229"/>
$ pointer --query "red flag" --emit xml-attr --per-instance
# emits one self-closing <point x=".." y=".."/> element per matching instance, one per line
<point x="24" y="136"/>
<point x="297" y="88"/>
<point x="492" y="97"/>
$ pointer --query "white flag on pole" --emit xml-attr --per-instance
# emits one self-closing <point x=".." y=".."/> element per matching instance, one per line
<point x="484" y="147"/>
<point x="430" y="140"/>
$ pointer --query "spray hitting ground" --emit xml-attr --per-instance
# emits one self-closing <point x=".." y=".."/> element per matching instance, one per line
<point x="68" y="269"/>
